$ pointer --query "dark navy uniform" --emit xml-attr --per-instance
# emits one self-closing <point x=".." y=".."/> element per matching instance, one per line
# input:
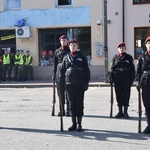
<point x="77" y="76"/>
<point x="143" y="75"/>
<point x="1" y="67"/>
<point x="122" y="74"/>
<point x="58" y="57"/>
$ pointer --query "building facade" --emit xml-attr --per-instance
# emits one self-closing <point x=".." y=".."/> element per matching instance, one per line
<point x="130" y="22"/>
<point x="46" y="20"/>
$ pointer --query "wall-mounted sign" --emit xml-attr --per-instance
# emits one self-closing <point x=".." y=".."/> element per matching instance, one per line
<point x="99" y="50"/>
<point x="7" y="37"/>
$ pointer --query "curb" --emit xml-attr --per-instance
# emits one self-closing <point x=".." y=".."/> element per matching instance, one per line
<point x="39" y="84"/>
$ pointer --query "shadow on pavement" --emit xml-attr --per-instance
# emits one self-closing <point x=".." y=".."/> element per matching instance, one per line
<point x="107" y="117"/>
<point x="91" y="134"/>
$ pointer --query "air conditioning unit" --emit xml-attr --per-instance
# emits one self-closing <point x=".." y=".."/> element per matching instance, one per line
<point x="23" y="32"/>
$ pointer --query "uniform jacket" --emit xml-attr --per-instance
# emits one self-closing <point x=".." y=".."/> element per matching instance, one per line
<point x="143" y="68"/>
<point x="58" y="57"/>
<point x="122" y="69"/>
<point x="75" y="69"/>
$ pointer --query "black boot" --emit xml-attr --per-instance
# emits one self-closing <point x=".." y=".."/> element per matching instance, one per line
<point x="147" y="129"/>
<point x="74" y="125"/>
<point x="120" y="114"/>
<point x="126" y="112"/>
<point x="79" y="126"/>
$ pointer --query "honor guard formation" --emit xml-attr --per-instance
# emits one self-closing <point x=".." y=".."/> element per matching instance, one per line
<point x="71" y="74"/>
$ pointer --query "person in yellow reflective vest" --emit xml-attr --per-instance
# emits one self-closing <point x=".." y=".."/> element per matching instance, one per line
<point x="6" y="64"/>
<point x="21" y="69"/>
<point x="0" y="67"/>
<point x="28" y="66"/>
<point x="16" y="60"/>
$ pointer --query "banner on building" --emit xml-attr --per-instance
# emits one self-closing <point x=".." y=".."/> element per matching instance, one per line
<point x="7" y="37"/>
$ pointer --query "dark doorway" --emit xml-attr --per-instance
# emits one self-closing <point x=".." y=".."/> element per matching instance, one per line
<point x="7" y="39"/>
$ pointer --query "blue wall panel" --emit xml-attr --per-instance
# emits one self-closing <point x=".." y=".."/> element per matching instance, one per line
<point x="47" y="17"/>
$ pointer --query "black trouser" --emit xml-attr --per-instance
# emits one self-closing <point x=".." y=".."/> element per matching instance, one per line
<point x="6" y="69"/>
<point x="64" y="98"/>
<point x="122" y="93"/>
<point x="16" y="66"/>
<point x="146" y="94"/>
<point x="28" y="71"/>
<point x="21" y="73"/>
<point x="0" y="72"/>
<point x="76" y="99"/>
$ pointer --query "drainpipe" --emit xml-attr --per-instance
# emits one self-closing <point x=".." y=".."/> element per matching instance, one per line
<point x="123" y="22"/>
<point x="105" y="41"/>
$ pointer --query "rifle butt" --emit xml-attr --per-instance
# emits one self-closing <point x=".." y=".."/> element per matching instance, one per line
<point x="111" y="106"/>
<point x="53" y="111"/>
<point x="54" y="100"/>
<point x="140" y="111"/>
<point x="61" y="112"/>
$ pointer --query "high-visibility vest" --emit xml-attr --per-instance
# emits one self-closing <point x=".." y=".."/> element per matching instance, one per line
<point x="28" y="59"/>
<point x="21" y="59"/>
<point x="6" y="59"/>
<point x="17" y="57"/>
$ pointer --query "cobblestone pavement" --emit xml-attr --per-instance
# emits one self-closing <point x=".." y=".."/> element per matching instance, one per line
<point x="26" y="122"/>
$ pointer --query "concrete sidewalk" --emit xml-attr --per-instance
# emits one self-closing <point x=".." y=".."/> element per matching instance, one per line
<point x="36" y="84"/>
<point x="26" y="122"/>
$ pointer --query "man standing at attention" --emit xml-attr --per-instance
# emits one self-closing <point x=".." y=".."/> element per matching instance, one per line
<point x="122" y="73"/>
<point x="58" y="57"/>
<point x="143" y="75"/>
<point x="77" y="76"/>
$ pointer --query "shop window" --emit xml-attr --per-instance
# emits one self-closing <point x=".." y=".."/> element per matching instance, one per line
<point x="12" y="4"/>
<point x="7" y="39"/>
<point x="140" y="36"/>
<point x="49" y="42"/>
<point x="64" y="2"/>
<point x="141" y="1"/>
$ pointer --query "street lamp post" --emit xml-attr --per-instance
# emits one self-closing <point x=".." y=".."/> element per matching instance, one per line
<point x="105" y="42"/>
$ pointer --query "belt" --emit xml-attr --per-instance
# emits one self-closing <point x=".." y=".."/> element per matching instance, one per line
<point x="122" y="69"/>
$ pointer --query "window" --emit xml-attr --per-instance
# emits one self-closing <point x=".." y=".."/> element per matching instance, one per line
<point x="140" y="36"/>
<point x="64" y="2"/>
<point x="7" y="39"/>
<point x="141" y="1"/>
<point x="12" y="4"/>
<point x="49" y="39"/>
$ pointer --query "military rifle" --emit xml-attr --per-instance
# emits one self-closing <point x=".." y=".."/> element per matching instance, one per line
<point x="54" y="100"/>
<point x="111" y="105"/>
<point x="139" y="107"/>
<point x="61" y="111"/>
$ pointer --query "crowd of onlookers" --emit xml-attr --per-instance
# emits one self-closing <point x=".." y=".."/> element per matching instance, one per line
<point x="47" y="59"/>
<point x="16" y="67"/>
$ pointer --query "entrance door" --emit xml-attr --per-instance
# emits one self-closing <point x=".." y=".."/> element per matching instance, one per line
<point x="7" y="39"/>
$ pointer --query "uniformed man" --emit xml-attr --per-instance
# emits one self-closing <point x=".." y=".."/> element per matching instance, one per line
<point x="21" y="69"/>
<point x="143" y="75"/>
<point x="7" y="64"/>
<point x="122" y="73"/>
<point x="58" y="57"/>
<point x="77" y="76"/>
<point x="16" y="60"/>
<point x="28" y="65"/>
<point x="1" y="67"/>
